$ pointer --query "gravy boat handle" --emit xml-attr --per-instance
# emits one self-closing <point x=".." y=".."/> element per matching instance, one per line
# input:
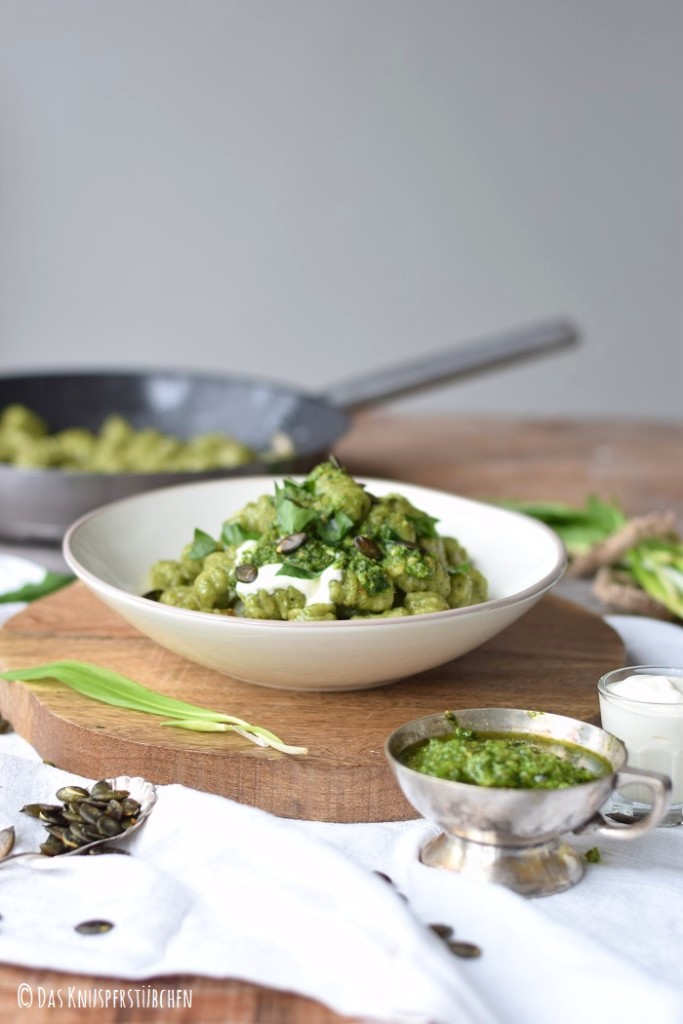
<point x="660" y="787"/>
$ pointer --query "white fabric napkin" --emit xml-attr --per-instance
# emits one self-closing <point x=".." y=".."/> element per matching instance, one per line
<point x="219" y="889"/>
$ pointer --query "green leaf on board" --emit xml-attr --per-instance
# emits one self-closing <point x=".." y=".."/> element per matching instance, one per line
<point x="109" y="687"/>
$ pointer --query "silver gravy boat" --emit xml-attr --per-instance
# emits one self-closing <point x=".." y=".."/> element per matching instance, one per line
<point x="512" y="836"/>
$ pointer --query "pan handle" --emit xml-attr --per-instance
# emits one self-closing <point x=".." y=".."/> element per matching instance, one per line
<point x="462" y="361"/>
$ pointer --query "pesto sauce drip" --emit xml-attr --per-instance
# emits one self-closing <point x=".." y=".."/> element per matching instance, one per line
<point x="503" y="760"/>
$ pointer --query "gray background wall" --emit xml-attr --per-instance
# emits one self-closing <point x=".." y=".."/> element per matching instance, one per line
<point x="304" y="189"/>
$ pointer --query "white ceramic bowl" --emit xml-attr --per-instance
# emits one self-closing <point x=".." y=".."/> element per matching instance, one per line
<point x="112" y="548"/>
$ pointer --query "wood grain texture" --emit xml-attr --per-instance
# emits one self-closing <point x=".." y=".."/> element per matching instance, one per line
<point x="634" y="462"/>
<point x="549" y="660"/>
<point x="479" y="457"/>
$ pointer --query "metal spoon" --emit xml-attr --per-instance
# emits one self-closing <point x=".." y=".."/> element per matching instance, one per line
<point x="141" y="790"/>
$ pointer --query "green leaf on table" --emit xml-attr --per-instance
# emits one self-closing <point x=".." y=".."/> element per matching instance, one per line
<point x="579" y="527"/>
<point x="30" y="591"/>
<point x="109" y="687"/>
<point x="657" y="566"/>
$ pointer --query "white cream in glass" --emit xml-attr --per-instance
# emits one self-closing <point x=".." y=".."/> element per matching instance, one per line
<point x="643" y="706"/>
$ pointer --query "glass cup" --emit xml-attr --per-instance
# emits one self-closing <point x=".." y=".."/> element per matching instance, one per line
<point x="643" y="706"/>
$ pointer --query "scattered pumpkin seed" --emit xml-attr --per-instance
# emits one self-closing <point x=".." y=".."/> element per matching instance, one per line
<point x="93" y="927"/>
<point x="7" y="837"/>
<point x="246" y="573"/>
<point x="468" y="950"/>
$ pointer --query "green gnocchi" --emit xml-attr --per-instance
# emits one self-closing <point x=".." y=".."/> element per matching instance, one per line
<point x="117" y="447"/>
<point x="321" y="549"/>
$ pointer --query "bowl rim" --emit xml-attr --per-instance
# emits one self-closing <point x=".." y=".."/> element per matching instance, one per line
<point x="536" y="589"/>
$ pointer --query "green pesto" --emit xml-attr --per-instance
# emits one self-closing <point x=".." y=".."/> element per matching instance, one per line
<point x="504" y="760"/>
<point x="117" y="447"/>
<point x="391" y="559"/>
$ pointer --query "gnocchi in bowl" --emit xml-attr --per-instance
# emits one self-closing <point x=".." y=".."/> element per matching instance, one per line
<point x="415" y="576"/>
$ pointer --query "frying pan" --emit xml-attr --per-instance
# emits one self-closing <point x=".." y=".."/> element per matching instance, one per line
<point x="39" y="504"/>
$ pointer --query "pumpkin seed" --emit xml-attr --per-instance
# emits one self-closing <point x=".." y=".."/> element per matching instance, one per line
<point x="94" y="927"/>
<point x="291" y="543"/>
<point x="53" y="815"/>
<point x="35" y="809"/>
<point x="246" y="573"/>
<point x="103" y="791"/>
<point x="91" y="812"/>
<point x="367" y="547"/>
<point x="7" y="836"/>
<point x="52" y="847"/>
<point x="115" y="809"/>
<point x="72" y="794"/>
<point x="109" y="827"/>
<point x="84" y="817"/>
<point x="468" y="950"/>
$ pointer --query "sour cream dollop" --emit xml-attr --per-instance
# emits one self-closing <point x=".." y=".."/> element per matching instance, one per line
<point x="315" y="591"/>
<point x="654" y="689"/>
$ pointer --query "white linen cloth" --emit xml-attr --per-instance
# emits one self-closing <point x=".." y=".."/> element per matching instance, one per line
<point x="219" y="889"/>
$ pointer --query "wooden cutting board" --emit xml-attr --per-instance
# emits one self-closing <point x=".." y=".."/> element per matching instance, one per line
<point x="550" y="660"/>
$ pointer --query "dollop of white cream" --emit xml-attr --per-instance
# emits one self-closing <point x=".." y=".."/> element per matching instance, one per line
<point x="651" y="689"/>
<point x="315" y="591"/>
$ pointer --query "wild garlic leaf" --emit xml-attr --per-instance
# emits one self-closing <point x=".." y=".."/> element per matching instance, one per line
<point x="51" y="582"/>
<point x="579" y="527"/>
<point x="109" y="687"/>
<point x="657" y="566"/>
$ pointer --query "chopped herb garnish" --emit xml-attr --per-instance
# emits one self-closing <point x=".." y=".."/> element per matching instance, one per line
<point x="425" y="526"/>
<point x="202" y="545"/>
<point x="290" y="569"/>
<point x="291" y="517"/>
<point x="233" y="534"/>
<point x="333" y="531"/>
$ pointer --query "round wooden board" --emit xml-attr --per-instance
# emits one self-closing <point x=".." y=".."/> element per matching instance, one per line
<point x="550" y="660"/>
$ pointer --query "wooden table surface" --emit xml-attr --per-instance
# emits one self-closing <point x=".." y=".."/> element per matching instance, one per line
<point x="636" y="463"/>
